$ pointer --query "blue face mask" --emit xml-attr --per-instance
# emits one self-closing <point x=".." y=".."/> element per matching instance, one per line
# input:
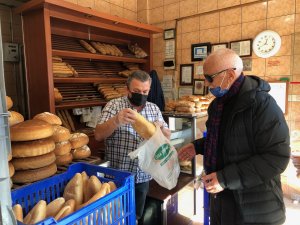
<point x="217" y="91"/>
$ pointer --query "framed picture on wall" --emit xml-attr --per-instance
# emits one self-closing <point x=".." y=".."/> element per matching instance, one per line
<point x="199" y="88"/>
<point x="169" y="34"/>
<point x="186" y="74"/>
<point x="200" y="51"/>
<point x="243" y="47"/>
<point x="215" y="47"/>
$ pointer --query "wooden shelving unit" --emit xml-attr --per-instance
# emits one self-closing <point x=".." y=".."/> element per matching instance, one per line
<point x="54" y="28"/>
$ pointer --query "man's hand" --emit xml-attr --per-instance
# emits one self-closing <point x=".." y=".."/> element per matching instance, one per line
<point x="125" y="116"/>
<point x="166" y="132"/>
<point x="211" y="183"/>
<point x="187" y="152"/>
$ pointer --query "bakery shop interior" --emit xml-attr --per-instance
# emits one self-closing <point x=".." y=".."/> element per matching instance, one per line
<point x="115" y="111"/>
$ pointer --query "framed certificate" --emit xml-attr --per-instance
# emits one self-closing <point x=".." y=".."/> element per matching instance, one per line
<point x="186" y="74"/>
<point x="169" y="34"/>
<point x="215" y="47"/>
<point x="199" y="88"/>
<point x="200" y="51"/>
<point x="243" y="47"/>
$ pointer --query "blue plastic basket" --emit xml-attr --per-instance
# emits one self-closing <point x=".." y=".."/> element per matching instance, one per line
<point x="116" y="208"/>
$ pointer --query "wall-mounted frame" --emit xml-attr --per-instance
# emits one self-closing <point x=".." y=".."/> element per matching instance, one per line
<point x="184" y="91"/>
<point x="186" y="74"/>
<point x="169" y="34"/>
<point x="242" y="47"/>
<point x="218" y="46"/>
<point x="199" y="88"/>
<point x="200" y="51"/>
<point x="279" y="91"/>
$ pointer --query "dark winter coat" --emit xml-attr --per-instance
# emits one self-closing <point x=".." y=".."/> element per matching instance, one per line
<point x="156" y="94"/>
<point x="254" y="148"/>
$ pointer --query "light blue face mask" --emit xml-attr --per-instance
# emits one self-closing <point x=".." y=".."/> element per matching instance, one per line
<point x="217" y="91"/>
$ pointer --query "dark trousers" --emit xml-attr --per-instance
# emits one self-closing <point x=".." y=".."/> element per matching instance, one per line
<point x="141" y="190"/>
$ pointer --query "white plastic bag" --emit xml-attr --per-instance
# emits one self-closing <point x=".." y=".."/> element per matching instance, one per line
<point x="158" y="158"/>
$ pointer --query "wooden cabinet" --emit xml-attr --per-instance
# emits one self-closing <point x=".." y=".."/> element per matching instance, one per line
<point x="54" y="28"/>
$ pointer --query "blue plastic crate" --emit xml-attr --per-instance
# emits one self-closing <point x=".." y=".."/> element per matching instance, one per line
<point x="116" y="208"/>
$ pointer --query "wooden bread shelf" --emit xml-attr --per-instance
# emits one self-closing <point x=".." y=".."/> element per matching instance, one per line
<point x="89" y="80"/>
<point x="76" y="104"/>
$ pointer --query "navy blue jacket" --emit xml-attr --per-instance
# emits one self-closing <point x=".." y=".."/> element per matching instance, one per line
<point x="156" y="94"/>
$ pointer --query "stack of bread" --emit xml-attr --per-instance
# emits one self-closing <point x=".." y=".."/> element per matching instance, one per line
<point x="79" y="142"/>
<point x="60" y="137"/>
<point x="103" y="48"/>
<point x="111" y="91"/>
<point x="131" y="67"/>
<point x="137" y="51"/>
<point x="62" y="69"/>
<point x="80" y="191"/>
<point x="32" y="151"/>
<point x="170" y="106"/>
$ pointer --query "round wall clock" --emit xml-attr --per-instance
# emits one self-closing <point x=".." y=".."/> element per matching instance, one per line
<point x="266" y="44"/>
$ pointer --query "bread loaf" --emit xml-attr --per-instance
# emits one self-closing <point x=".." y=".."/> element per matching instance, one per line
<point x="62" y="160"/>
<point x="18" y="211"/>
<point x="57" y="96"/>
<point x="143" y="127"/>
<point x="37" y="213"/>
<point x="185" y="109"/>
<point x="184" y="103"/>
<point x="53" y="207"/>
<point x="49" y="118"/>
<point x="28" y="176"/>
<point x="62" y="148"/>
<point x="60" y="134"/>
<point x="11" y="169"/>
<point x="81" y="153"/>
<point x="9" y="103"/>
<point x="32" y="148"/>
<point x="87" y="46"/>
<point x="30" y="130"/>
<point x="93" y="186"/>
<point x="85" y="179"/>
<point x="67" y="209"/>
<point x="78" y="140"/>
<point x="74" y="190"/>
<point x="112" y="186"/>
<point x="9" y="156"/>
<point x="15" y="118"/>
<point x="33" y="162"/>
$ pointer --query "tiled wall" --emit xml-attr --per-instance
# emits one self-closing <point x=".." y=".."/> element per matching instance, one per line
<point x="217" y="21"/>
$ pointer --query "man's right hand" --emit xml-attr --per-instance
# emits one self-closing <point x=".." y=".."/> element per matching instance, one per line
<point x="125" y="116"/>
<point x="187" y="152"/>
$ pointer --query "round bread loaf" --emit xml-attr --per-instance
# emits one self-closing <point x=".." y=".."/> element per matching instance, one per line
<point x="15" y="118"/>
<point x="78" y="140"/>
<point x="34" y="162"/>
<point x="60" y="134"/>
<point x="81" y="153"/>
<point x="9" y="103"/>
<point x="64" y="159"/>
<point x="28" y="176"/>
<point x="32" y="148"/>
<point x="30" y="130"/>
<point x="9" y="157"/>
<point x="62" y="148"/>
<point x="49" y="118"/>
<point x="11" y="169"/>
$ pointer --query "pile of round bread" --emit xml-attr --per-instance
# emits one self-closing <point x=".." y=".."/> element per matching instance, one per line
<point x="188" y="104"/>
<point x="41" y="144"/>
<point x="80" y="191"/>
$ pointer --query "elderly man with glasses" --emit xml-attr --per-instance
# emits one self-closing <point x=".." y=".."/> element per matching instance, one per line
<point x="246" y="147"/>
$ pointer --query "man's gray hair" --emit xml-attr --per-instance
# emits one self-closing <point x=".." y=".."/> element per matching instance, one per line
<point x="138" y="75"/>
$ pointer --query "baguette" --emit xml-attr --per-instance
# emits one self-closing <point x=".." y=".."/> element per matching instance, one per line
<point x="143" y="127"/>
<point x="87" y="46"/>
<point x="37" y="213"/>
<point x="17" y="209"/>
<point x="54" y="207"/>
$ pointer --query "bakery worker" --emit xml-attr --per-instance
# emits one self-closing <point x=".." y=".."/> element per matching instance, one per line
<point x="120" y="138"/>
<point x="246" y="148"/>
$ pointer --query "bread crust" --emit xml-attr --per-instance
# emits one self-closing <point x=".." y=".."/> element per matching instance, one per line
<point x="60" y="134"/>
<point x="9" y="103"/>
<point x="62" y="148"/>
<point x="15" y="118"/>
<point x="81" y="153"/>
<point x="78" y="140"/>
<point x="62" y="160"/>
<point x="49" y="118"/>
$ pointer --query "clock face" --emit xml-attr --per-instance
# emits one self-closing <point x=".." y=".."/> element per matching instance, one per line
<point x="266" y="44"/>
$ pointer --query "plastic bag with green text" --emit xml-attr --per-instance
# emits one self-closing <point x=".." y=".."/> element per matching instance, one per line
<point x="158" y="158"/>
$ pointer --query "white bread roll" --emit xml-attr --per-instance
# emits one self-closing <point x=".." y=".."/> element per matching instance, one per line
<point x="53" y="207"/>
<point x="143" y="127"/>
<point x="32" y="148"/>
<point x="37" y="213"/>
<point x="9" y="103"/>
<point x="49" y="118"/>
<point x="62" y="160"/>
<point x="18" y="211"/>
<point x="60" y="134"/>
<point x="62" y="148"/>
<point x="11" y="169"/>
<point x="93" y="186"/>
<point x="31" y="130"/>
<point x="28" y="176"/>
<point x="74" y="190"/>
<point x="78" y="140"/>
<point x="81" y="153"/>
<point x="34" y="162"/>
<point x="15" y="118"/>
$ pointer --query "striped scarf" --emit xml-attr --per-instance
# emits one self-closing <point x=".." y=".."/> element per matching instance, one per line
<point x="213" y="129"/>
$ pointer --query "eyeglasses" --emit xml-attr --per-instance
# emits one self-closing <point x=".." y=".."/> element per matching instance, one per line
<point x="210" y="77"/>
